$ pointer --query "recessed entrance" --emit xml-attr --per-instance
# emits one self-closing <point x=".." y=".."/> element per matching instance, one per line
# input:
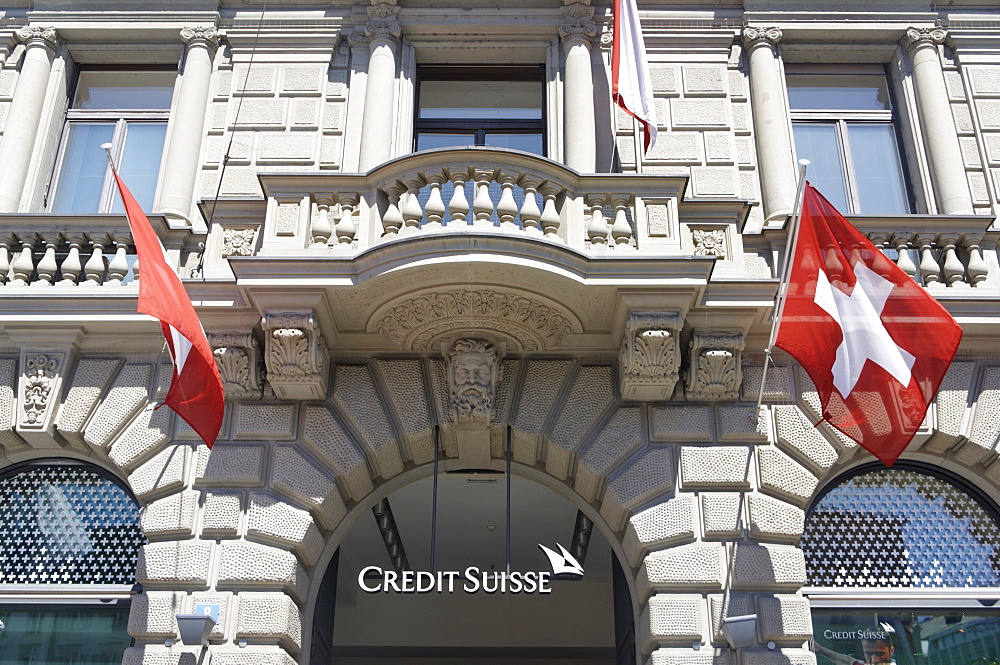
<point x="469" y="611"/>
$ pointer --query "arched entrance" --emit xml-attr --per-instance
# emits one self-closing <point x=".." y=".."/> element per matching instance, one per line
<point x="411" y="584"/>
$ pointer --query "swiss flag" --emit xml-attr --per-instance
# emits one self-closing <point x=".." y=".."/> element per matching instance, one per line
<point x="874" y="342"/>
<point x="631" y="87"/>
<point x="196" y="393"/>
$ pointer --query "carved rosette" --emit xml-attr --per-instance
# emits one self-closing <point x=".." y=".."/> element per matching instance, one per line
<point x="715" y="371"/>
<point x="473" y="371"/>
<point x="200" y="34"/>
<point x="295" y="355"/>
<point x="238" y="242"/>
<point x="238" y="357"/>
<point x="754" y="36"/>
<point x="650" y="355"/>
<point x="41" y="372"/>
<point x="709" y="242"/>
<point x="43" y="36"/>
<point x="915" y="37"/>
<point x="416" y="324"/>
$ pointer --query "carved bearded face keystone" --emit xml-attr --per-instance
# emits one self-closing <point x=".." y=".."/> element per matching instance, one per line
<point x="472" y="370"/>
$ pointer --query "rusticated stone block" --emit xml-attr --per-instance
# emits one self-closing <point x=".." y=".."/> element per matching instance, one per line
<point x="170" y="516"/>
<point x="162" y="474"/>
<point x="150" y="654"/>
<point x="741" y="424"/>
<point x="355" y="391"/>
<point x="768" y="566"/>
<point x="717" y="466"/>
<point x="681" y="423"/>
<point x="404" y="382"/>
<point x="246" y="565"/>
<point x="211" y="598"/>
<point x="8" y="379"/>
<point x="146" y="433"/>
<point x="951" y="400"/>
<point x="127" y="395"/>
<point x="326" y="438"/>
<point x="777" y="389"/>
<point x="593" y="390"/>
<point x="178" y="562"/>
<point x="221" y="515"/>
<point x="671" y="619"/>
<point x="650" y="474"/>
<point x="771" y="519"/>
<point x="539" y="391"/>
<point x="784" y="618"/>
<point x="808" y="395"/>
<point x="183" y="431"/>
<point x="272" y="520"/>
<point x="230" y="465"/>
<point x="728" y="605"/>
<point x="667" y="523"/>
<point x="721" y="514"/>
<point x="784" y="478"/>
<point x="271" y="615"/>
<point x="265" y="422"/>
<point x="985" y="425"/>
<point x="619" y="436"/>
<point x="686" y="656"/>
<point x="694" y="566"/>
<point x="802" y="439"/>
<point x="296" y="477"/>
<point x="250" y="655"/>
<point x="89" y="380"/>
<point x="152" y="614"/>
<point x="777" y="657"/>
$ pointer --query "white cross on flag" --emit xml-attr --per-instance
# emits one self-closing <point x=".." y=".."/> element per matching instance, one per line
<point x="874" y="342"/>
<point x="196" y="393"/>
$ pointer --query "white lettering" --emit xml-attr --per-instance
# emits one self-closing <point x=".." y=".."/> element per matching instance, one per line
<point x="471" y="575"/>
<point x="390" y="581"/>
<point x="361" y="579"/>
<point x="407" y="581"/>
<point x="530" y="582"/>
<point x="428" y="581"/>
<point x="451" y="575"/>
<point x="543" y="583"/>
<point x="515" y="583"/>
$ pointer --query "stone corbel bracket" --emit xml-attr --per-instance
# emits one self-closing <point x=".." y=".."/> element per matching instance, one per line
<point x="473" y="374"/>
<point x="45" y="358"/>
<point x="650" y="355"/>
<point x="295" y="355"/>
<point x="240" y="363"/>
<point x="715" y="371"/>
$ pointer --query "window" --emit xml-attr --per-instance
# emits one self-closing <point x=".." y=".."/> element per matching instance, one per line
<point x="844" y="123"/>
<point x="500" y="107"/>
<point x="127" y="109"/>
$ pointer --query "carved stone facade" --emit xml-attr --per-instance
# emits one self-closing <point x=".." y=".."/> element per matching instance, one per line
<point x="715" y="370"/>
<point x="650" y="355"/>
<point x="473" y="370"/>
<point x="240" y="363"/>
<point x="295" y="355"/>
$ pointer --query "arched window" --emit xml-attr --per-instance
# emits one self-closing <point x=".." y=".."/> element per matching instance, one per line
<point x="903" y="565"/>
<point x="69" y="542"/>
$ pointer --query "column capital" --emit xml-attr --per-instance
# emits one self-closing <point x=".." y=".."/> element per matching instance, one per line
<point x="757" y="36"/>
<point x="42" y="35"/>
<point x="383" y="21"/>
<point x="196" y="34"/>
<point x="915" y="37"/>
<point x="579" y="21"/>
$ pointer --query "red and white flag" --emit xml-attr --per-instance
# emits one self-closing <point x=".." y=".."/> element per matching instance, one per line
<point x="874" y="342"/>
<point x="196" y="393"/>
<point x="631" y="87"/>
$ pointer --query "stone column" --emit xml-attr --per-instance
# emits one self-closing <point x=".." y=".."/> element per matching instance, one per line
<point x="25" y="113"/>
<point x="770" y="122"/>
<point x="183" y="149"/>
<point x="578" y="123"/>
<point x="944" y="155"/>
<point x="383" y="33"/>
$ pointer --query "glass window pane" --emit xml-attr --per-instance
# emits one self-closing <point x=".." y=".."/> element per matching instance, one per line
<point x="140" y="162"/>
<point x="818" y="143"/>
<point x="428" y="141"/>
<point x="877" y="169"/>
<point x="81" y="175"/>
<point x="47" y="635"/>
<point x="124" y="90"/>
<point x="854" y="92"/>
<point x="481" y="100"/>
<point x="527" y="142"/>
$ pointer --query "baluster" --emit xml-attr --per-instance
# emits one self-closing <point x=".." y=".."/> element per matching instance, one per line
<point x="952" y="266"/>
<point x="118" y="266"/>
<point x="322" y="229"/>
<point x="597" y="229"/>
<point x="347" y="228"/>
<point x="507" y="207"/>
<point x="458" y="206"/>
<point x="620" y="230"/>
<point x="549" y="220"/>
<point x="47" y="265"/>
<point x="23" y="264"/>
<point x="6" y="242"/>
<point x="434" y="208"/>
<point x="392" y="221"/>
<point x="482" y="205"/>
<point x="977" y="268"/>
<point x="93" y="270"/>
<point x="412" y="213"/>
<point x="905" y="263"/>
<point x="71" y="266"/>
<point x="135" y="271"/>
<point x="880" y="239"/>
<point x="929" y="268"/>
<point x="530" y="212"/>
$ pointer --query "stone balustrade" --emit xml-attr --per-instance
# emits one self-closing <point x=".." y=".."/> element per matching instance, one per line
<point x="74" y="251"/>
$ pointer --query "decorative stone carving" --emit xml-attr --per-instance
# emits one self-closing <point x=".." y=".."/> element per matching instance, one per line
<point x="44" y="358"/>
<point x="238" y="242"/>
<point x="40" y="376"/>
<point x="206" y="33"/>
<point x="383" y="22"/>
<point x="579" y="21"/>
<point x="473" y="371"/>
<point x="917" y="36"/>
<point x="754" y="36"/>
<point x="709" y="242"/>
<point x="715" y="373"/>
<point x="295" y="355"/>
<point x="47" y="36"/>
<point x="238" y="356"/>
<point x="650" y="355"/>
<point x="416" y="324"/>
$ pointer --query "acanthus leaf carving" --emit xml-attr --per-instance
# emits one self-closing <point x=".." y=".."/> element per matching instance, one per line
<point x="295" y="355"/>
<point x="41" y="373"/>
<point x="650" y="355"/>
<point x="238" y="242"/>
<point x="709" y="242"/>
<point x="715" y="371"/>
<point x="238" y="357"/>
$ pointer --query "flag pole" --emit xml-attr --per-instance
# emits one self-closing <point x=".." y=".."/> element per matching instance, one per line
<point x="779" y="308"/>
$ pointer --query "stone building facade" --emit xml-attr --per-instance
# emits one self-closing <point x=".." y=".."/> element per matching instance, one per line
<point x="591" y="318"/>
